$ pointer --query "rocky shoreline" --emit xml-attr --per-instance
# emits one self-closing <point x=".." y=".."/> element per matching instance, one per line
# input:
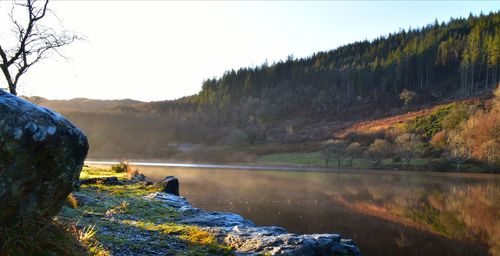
<point x="132" y="216"/>
<point x="248" y="239"/>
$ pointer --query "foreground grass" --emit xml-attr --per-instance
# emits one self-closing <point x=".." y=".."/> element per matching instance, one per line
<point x="123" y="221"/>
<point x="45" y="238"/>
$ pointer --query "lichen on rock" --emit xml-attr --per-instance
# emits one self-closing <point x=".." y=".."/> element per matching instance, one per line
<point x="41" y="156"/>
<point x="246" y="238"/>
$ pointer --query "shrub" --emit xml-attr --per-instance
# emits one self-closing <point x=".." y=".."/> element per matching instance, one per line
<point x="457" y="115"/>
<point x="333" y="150"/>
<point x="458" y="147"/>
<point x="439" y="140"/>
<point x="408" y="145"/>
<point x="431" y="124"/>
<point x="379" y="150"/>
<point x="408" y="97"/>
<point x="365" y="139"/>
<point x="353" y="150"/>
<point x="121" y="167"/>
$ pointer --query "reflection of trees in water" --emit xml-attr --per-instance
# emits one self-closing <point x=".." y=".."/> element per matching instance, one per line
<point x="457" y="209"/>
<point x="407" y="210"/>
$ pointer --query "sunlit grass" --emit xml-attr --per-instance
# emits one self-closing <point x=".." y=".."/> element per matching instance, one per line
<point x="89" y="172"/>
<point x="115" y="214"/>
<point x="49" y="237"/>
<point x="192" y="234"/>
<point x="316" y="159"/>
<point x="306" y="159"/>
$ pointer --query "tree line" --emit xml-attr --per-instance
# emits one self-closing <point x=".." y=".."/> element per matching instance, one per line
<point x="440" y="60"/>
<point x="271" y="103"/>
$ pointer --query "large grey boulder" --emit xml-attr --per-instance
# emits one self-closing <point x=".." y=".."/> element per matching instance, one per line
<point x="41" y="156"/>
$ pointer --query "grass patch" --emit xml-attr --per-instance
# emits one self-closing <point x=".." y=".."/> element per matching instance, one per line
<point x="316" y="159"/>
<point x="89" y="172"/>
<point x="125" y="222"/>
<point x="50" y="237"/>
<point x="194" y="235"/>
<point x="304" y="159"/>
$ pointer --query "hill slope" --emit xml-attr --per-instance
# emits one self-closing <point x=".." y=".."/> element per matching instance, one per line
<point x="306" y="100"/>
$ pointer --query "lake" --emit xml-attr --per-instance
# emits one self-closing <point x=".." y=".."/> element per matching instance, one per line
<point x="385" y="212"/>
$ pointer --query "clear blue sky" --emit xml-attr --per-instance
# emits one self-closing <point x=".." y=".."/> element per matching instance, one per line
<point x="163" y="50"/>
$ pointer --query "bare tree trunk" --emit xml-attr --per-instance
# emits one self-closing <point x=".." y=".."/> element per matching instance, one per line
<point x="478" y="77"/>
<point x="486" y="80"/>
<point x="496" y="75"/>
<point x="472" y="80"/>
<point x="427" y="76"/>
<point x="12" y="88"/>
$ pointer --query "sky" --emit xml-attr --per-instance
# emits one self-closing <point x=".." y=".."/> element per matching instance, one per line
<point x="161" y="50"/>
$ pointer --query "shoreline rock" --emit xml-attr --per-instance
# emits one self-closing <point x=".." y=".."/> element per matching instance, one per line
<point x="170" y="185"/>
<point x="250" y="239"/>
<point x="41" y="156"/>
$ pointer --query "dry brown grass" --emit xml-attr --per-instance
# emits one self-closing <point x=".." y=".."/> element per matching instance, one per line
<point x="397" y="123"/>
<point x="42" y="238"/>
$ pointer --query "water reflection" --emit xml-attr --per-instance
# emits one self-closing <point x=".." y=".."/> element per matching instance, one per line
<point x="386" y="213"/>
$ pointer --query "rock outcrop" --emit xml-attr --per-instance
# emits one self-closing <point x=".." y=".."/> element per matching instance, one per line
<point x="169" y="185"/>
<point x="137" y="177"/>
<point x="249" y="239"/>
<point x="41" y="156"/>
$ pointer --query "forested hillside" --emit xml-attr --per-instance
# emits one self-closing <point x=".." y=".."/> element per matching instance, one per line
<point x="309" y="99"/>
<point x="454" y="59"/>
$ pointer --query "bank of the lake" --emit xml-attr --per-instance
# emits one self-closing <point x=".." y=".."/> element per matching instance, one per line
<point x="427" y="213"/>
<point x="123" y="216"/>
<point x="310" y="160"/>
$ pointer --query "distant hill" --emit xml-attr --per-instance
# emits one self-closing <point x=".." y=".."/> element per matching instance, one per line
<point x="84" y="104"/>
<point x="307" y="99"/>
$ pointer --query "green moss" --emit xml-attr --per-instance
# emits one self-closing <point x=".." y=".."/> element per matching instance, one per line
<point x="89" y="172"/>
<point x="200" y="241"/>
<point x="122" y="212"/>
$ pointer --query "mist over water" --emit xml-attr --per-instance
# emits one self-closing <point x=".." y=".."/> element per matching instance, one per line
<point x="386" y="213"/>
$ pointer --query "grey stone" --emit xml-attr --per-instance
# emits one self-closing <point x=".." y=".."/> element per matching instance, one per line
<point x="138" y="177"/>
<point x="249" y="239"/>
<point x="41" y="156"/>
<point x="170" y="185"/>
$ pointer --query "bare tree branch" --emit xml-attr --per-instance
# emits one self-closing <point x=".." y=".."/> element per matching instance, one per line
<point x="34" y="42"/>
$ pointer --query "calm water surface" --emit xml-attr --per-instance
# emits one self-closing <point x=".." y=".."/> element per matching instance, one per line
<point x="386" y="213"/>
